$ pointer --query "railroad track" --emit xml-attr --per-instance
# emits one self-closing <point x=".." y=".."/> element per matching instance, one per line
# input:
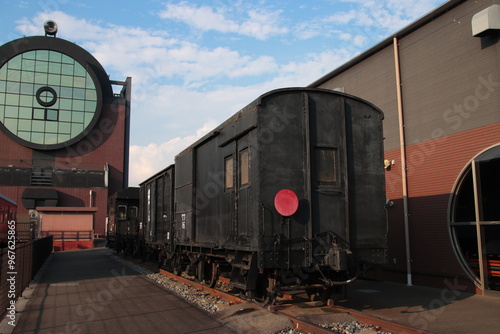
<point x="306" y="316"/>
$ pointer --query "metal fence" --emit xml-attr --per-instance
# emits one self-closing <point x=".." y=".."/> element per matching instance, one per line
<point x="25" y="231"/>
<point x="18" y="267"/>
<point x="69" y="235"/>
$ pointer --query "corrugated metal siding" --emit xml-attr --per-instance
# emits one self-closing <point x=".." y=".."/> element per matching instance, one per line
<point x="450" y="82"/>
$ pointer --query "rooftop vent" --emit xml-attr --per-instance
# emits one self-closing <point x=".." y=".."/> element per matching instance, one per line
<point x="486" y="21"/>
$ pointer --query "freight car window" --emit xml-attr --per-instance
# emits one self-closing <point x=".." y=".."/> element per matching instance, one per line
<point x="229" y="172"/>
<point x="122" y="212"/>
<point x="133" y="212"/>
<point x="326" y="165"/>
<point x="244" y="167"/>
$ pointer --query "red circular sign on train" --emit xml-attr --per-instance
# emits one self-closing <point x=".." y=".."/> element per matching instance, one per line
<point x="286" y="202"/>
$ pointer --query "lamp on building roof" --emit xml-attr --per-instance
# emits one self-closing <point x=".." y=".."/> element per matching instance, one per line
<point x="50" y="28"/>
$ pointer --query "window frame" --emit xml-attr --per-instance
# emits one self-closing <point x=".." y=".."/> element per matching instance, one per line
<point x="134" y="212"/>
<point x="119" y="212"/>
<point x="319" y="173"/>
<point x="229" y="177"/>
<point x="245" y="151"/>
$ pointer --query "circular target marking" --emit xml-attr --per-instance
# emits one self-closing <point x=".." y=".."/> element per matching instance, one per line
<point x="286" y="202"/>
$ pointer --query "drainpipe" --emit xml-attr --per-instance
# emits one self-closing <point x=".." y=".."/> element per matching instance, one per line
<point x="91" y="194"/>
<point x="402" y="146"/>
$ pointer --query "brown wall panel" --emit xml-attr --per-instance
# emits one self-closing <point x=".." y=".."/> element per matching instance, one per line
<point x="433" y="168"/>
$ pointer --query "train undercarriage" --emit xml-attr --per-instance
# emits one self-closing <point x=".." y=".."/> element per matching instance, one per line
<point x="241" y="271"/>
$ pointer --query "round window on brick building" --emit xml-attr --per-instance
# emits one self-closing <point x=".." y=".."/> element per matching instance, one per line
<point x="48" y="99"/>
<point x="475" y="219"/>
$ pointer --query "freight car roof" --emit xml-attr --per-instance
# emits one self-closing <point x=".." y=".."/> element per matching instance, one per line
<point x="127" y="193"/>
<point x="157" y="174"/>
<point x="252" y="107"/>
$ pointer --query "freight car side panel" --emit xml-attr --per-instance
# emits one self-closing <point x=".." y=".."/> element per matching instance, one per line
<point x="245" y="193"/>
<point x="222" y="184"/>
<point x="184" y="197"/>
<point x="282" y="152"/>
<point x="328" y="164"/>
<point x="214" y="214"/>
<point x="168" y="205"/>
<point x="366" y="181"/>
<point x="157" y="206"/>
<point x="150" y="222"/>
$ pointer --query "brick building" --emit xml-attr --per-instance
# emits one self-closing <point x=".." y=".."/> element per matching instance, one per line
<point x="64" y="134"/>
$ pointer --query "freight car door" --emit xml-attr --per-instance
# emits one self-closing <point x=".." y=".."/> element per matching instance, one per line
<point x="328" y="167"/>
<point x="243" y="198"/>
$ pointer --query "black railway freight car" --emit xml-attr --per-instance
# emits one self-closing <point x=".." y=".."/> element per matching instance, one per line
<point x="288" y="191"/>
<point x="123" y="232"/>
<point x="157" y="214"/>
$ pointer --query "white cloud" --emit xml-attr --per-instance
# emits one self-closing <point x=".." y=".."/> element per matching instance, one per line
<point x="388" y="15"/>
<point x="143" y="53"/>
<point x="147" y="160"/>
<point x="359" y="40"/>
<point x="22" y="4"/>
<point x="342" y="17"/>
<point x="369" y="19"/>
<point x="258" y="23"/>
<point x="179" y="86"/>
<point x="70" y="27"/>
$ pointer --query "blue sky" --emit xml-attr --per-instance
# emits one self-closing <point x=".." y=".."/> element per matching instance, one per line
<point x="195" y="63"/>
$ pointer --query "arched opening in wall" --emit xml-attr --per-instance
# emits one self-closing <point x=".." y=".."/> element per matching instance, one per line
<point x="475" y="219"/>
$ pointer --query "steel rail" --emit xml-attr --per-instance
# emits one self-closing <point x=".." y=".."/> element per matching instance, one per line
<point x="385" y="325"/>
<point x="300" y="325"/>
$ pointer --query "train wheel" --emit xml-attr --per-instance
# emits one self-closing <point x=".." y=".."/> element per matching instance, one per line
<point x="269" y="299"/>
<point x="267" y="292"/>
<point x="176" y="265"/>
<point x="207" y="273"/>
<point x="201" y="271"/>
<point x="214" y="277"/>
<point x="327" y="294"/>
